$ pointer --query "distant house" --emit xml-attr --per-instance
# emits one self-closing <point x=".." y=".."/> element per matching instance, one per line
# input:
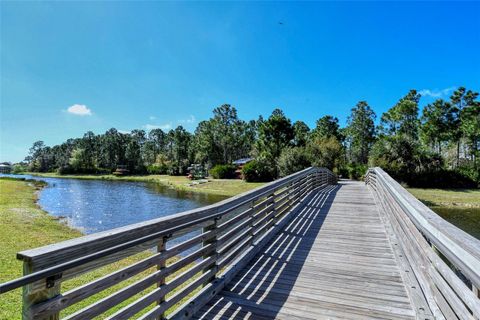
<point x="6" y="167"/>
<point x="239" y="166"/>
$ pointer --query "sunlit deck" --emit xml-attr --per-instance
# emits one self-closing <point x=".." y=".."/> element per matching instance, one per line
<point x="334" y="260"/>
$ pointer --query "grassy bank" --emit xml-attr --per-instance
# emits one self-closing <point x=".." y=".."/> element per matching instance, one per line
<point x="460" y="207"/>
<point x="23" y="225"/>
<point x="222" y="187"/>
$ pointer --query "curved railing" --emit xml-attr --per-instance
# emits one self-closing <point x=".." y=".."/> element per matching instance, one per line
<point x="432" y="246"/>
<point x="197" y="253"/>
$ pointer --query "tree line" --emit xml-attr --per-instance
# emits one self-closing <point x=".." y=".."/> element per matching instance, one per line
<point x="442" y="141"/>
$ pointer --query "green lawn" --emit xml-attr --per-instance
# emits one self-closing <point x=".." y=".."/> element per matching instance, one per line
<point x="221" y="187"/>
<point x="460" y="207"/>
<point x="448" y="197"/>
<point x="23" y="225"/>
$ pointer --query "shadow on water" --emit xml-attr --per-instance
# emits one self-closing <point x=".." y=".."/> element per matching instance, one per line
<point x="265" y="284"/>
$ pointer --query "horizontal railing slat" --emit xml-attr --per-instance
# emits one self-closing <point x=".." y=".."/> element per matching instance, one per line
<point x="67" y="250"/>
<point x="420" y="228"/>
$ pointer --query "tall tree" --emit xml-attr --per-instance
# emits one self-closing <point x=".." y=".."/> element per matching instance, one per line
<point x="361" y="132"/>
<point x="436" y="124"/>
<point x="274" y="134"/>
<point x="462" y="99"/>
<point x="327" y="126"/>
<point x="402" y="118"/>
<point x="300" y="133"/>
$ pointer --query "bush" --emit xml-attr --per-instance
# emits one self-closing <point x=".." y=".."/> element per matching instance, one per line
<point x="441" y="179"/>
<point x="257" y="171"/>
<point x="223" y="171"/>
<point x="19" y="168"/>
<point x="292" y="160"/>
<point x="471" y="172"/>
<point x="326" y="152"/>
<point x="157" y="169"/>
<point x="353" y="171"/>
<point x="68" y="169"/>
<point x="178" y="168"/>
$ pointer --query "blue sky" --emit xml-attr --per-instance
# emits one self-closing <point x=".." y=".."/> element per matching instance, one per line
<point x="149" y="64"/>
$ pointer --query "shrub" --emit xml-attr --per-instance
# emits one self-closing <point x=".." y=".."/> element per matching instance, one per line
<point x="439" y="179"/>
<point x="178" y="168"/>
<point x="223" y="171"/>
<point x="326" y="152"/>
<point x="292" y="160"/>
<point x="19" y="168"/>
<point x="353" y="171"/>
<point x="66" y="170"/>
<point x="471" y="171"/>
<point x="257" y="171"/>
<point x="157" y="169"/>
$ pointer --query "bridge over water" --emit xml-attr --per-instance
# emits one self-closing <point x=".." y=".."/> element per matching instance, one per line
<point x="302" y="247"/>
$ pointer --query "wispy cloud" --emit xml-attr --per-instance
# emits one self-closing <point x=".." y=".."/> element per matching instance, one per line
<point x="152" y="117"/>
<point x="436" y="93"/>
<point x="79" y="110"/>
<point x="165" y="126"/>
<point x="189" y="120"/>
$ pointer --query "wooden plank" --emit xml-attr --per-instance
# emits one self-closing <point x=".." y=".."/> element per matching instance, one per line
<point x="303" y="272"/>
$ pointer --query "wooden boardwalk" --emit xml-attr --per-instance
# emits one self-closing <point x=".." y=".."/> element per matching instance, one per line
<point x="334" y="260"/>
<point x="301" y="247"/>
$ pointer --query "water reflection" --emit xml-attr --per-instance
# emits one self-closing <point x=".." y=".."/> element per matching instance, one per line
<point x="99" y="205"/>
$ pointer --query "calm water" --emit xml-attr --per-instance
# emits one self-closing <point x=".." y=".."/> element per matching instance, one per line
<point x="98" y="205"/>
<point x="467" y="219"/>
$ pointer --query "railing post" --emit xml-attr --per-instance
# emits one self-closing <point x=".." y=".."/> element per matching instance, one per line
<point x="161" y="247"/>
<point x="274" y="208"/>
<point x="32" y="297"/>
<point x="213" y="242"/>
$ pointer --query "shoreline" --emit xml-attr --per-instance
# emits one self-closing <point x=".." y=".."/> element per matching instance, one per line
<point x="25" y="225"/>
<point x="217" y="187"/>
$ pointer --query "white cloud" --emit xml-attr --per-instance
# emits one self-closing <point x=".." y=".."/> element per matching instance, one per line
<point x="190" y="120"/>
<point x="79" y="110"/>
<point x="152" y="117"/>
<point x="436" y="93"/>
<point x="165" y="126"/>
<point x="124" y="131"/>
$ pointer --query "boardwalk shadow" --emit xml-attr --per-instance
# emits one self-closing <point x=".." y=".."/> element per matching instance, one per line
<point x="261" y="289"/>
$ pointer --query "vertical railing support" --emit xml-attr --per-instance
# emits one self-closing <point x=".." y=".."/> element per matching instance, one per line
<point x="213" y="242"/>
<point x="161" y="247"/>
<point x="33" y="296"/>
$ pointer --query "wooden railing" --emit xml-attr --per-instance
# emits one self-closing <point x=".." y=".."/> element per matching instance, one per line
<point x="444" y="260"/>
<point x="197" y="253"/>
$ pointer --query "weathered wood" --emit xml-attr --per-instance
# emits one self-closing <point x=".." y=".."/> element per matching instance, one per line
<point x="143" y="302"/>
<point x="447" y="295"/>
<point x="107" y="303"/>
<point x="231" y="232"/>
<point x="31" y="297"/>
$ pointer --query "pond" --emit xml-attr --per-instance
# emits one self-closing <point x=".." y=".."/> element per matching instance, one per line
<point x="467" y="219"/>
<point x="98" y="205"/>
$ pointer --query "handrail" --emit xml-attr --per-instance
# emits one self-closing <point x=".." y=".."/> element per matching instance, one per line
<point x="227" y="233"/>
<point x="459" y="248"/>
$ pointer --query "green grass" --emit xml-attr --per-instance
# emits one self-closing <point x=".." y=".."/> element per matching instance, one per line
<point x="24" y="225"/>
<point x="221" y="187"/>
<point x="463" y="198"/>
<point x="460" y="207"/>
